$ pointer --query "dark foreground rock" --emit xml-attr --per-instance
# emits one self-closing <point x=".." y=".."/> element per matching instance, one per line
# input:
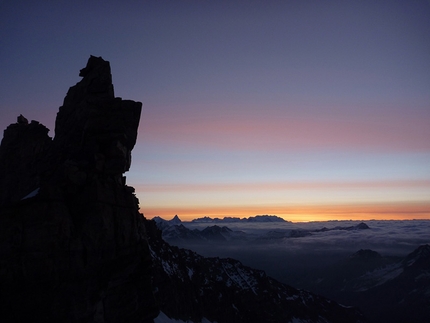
<point x="73" y="246"/>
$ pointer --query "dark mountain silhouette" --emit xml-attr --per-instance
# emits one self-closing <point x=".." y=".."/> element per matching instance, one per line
<point x="387" y="289"/>
<point x="404" y="295"/>
<point x="333" y="280"/>
<point x="360" y="226"/>
<point x="257" y="218"/>
<point x="174" y="232"/>
<point x="210" y="234"/>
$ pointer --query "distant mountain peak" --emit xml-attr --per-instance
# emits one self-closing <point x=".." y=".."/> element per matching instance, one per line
<point x="423" y="251"/>
<point x="362" y="226"/>
<point x="365" y="254"/>
<point x="175" y="220"/>
<point x="227" y="219"/>
<point x="265" y="218"/>
<point x="419" y="257"/>
<point x="216" y="228"/>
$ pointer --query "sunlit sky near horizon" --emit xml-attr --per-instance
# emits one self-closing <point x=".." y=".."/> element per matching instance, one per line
<point x="310" y="110"/>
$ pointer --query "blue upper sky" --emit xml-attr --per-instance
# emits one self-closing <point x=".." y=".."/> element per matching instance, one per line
<point x="249" y="106"/>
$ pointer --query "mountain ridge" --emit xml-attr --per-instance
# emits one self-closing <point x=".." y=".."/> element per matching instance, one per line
<point x="237" y="293"/>
<point x="387" y="289"/>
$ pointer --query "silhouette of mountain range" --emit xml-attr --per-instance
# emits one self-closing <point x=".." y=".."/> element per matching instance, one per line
<point x="174" y="230"/>
<point x="257" y="218"/>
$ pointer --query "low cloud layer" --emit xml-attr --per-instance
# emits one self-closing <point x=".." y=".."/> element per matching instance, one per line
<point x="386" y="237"/>
<point x="288" y="259"/>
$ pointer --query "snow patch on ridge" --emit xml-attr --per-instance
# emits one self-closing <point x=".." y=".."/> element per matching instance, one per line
<point x="32" y="194"/>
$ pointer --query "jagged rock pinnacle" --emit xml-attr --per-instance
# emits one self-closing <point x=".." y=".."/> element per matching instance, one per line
<point x="73" y="246"/>
<point x="96" y="84"/>
<point x="93" y="126"/>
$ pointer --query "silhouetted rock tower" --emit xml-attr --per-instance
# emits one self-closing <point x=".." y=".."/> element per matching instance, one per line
<point x="73" y="245"/>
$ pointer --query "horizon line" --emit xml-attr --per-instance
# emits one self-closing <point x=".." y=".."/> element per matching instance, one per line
<point x="302" y="213"/>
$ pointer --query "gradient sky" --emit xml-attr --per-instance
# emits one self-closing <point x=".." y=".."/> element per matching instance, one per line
<point x="311" y="110"/>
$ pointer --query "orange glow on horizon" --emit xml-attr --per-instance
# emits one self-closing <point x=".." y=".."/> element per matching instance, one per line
<point x="399" y="211"/>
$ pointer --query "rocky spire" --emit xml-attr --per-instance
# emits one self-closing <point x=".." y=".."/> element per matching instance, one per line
<point x="94" y="134"/>
<point x="73" y="245"/>
<point x="94" y="127"/>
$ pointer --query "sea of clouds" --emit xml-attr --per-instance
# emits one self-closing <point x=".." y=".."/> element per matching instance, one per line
<point x="386" y="237"/>
<point x="290" y="259"/>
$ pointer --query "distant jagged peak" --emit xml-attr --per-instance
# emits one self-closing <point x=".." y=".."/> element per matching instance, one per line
<point x="365" y="254"/>
<point x="423" y="250"/>
<point x="175" y="220"/>
<point x="157" y="219"/>
<point x="420" y="256"/>
<point x="360" y="226"/>
<point x="227" y="219"/>
<point x="217" y="228"/>
<point x="204" y="219"/>
<point x="266" y="218"/>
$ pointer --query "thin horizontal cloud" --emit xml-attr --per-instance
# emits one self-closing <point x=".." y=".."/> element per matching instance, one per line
<point x="258" y="186"/>
<point x="281" y="131"/>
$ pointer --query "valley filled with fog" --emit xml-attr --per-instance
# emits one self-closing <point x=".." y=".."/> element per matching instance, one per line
<point x="298" y="253"/>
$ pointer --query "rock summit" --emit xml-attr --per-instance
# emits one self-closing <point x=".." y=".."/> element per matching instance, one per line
<point x="73" y="245"/>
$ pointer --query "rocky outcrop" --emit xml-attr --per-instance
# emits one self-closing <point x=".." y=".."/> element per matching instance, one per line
<point x="22" y="152"/>
<point x="73" y="246"/>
